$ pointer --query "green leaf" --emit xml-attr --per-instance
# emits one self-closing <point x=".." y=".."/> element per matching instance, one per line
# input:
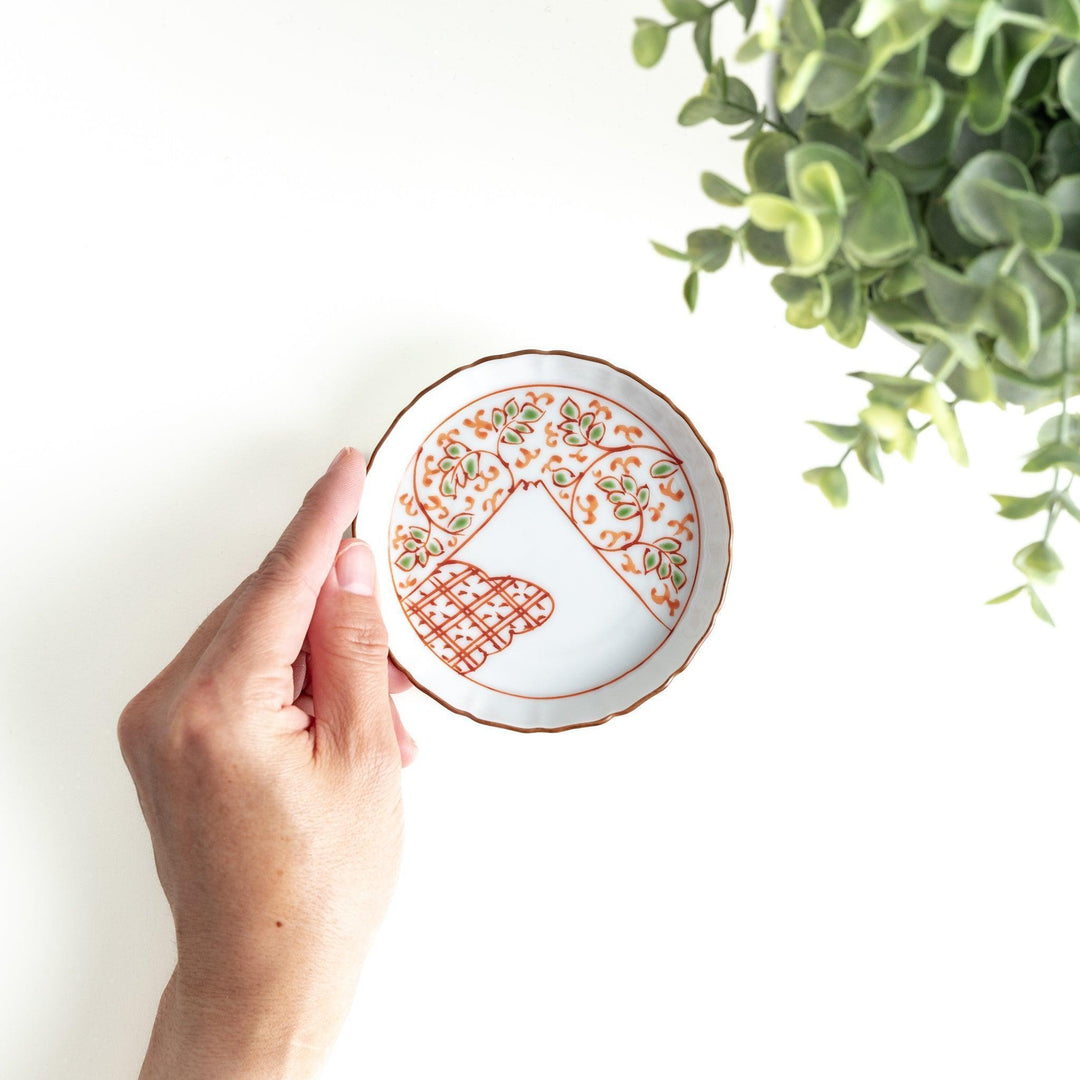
<point x="670" y="253"/>
<point x="808" y="299"/>
<point x="846" y="434"/>
<point x="901" y="113"/>
<point x="1039" y="562"/>
<point x="845" y="321"/>
<point x="844" y="65"/>
<point x="943" y="417"/>
<point x="1007" y="595"/>
<point x="1064" y="196"/>
<point x="720" y="190"/>
<point x="570" y="410"/>
<point x="1060" y="429"/>
<point x="1017" y="507"/>
<point x="764" y="162"/>
<point x="625" y="510"/>
<point x="406" y="561"/>
<point x="462" y="521"/>
<point x="1054" y="456"/>
<point x="709" y="249"/>
<point x="879" y="230"/>
<point x="652" y="560"/>
<point x="662" y="468"/>
<point x="669" y="543"/>
<point x="1061" y="150"/>
<point x="805" y="240"/>
<point x="650" y="40"/>
<point x="866" y="450"/>
<point x="562" y="477"/>
<point x="512" y="437"/>
<point x="804" y="25"/>
<point x="678" y="578"/>
<point x="994" y="214"/>
<point x="832" y="482"/>
<point x="732" y="103"/>
<point x="746" y="9"/>
<point x="1039" y="607"/>
<point x="1069" y="83"/>
<point x="434" y="547"/>
<point x="643" y="497"/>
<point x="685" y="10"/>
<point x="792" y="88"/>
<point x="595" y="433"/>
<point x="690" y="289"/>
<point x="966" y="55"/>
<point x="530" y="413"/>
<point x="952" y="297"/>
<point x="1016" y="318"/>
<point x="703" y="39"/>
<point x="609" y="483"/>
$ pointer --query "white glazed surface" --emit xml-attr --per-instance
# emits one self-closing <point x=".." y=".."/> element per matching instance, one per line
<point x="602" y="650"/>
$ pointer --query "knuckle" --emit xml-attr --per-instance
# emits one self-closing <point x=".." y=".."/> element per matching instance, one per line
<point x="368" y="637"/>
<point x="279" y="564"/>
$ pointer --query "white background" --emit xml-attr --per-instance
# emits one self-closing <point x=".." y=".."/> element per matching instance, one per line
<point x="236" y="236"/>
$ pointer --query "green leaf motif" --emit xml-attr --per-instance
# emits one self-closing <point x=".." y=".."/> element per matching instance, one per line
<point x="651" y="561"/>
<point x="462" y="521"/>
<point x="662" y="468"/>
<point x="625" y="510"/>
<point x="570" y="410"/>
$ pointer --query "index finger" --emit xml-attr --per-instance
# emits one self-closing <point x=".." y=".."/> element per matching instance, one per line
<point x="264" y="630"/>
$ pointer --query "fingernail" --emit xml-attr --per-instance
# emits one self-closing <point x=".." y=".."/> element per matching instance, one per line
<point x="340" y="454"/>
<point x="356" y="569"/>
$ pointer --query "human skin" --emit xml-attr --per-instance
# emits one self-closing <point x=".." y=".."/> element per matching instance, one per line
<point x="267" y="759"/>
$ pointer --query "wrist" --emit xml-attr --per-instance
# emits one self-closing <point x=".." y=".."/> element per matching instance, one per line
<point x="229" y="1037"/>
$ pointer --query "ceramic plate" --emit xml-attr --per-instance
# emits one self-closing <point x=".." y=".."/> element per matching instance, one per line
<point x="558" y="540"/>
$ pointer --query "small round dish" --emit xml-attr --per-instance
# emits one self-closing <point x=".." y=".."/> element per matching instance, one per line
<point x="557" y="540"/>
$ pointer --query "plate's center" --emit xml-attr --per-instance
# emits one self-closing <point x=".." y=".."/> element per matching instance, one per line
<point x="596" y="627"/>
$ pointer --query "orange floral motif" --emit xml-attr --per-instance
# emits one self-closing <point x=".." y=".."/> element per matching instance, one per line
<point x="629" y="433"/>
<point x="588" y="507"/>
<point x="665" y="597"/>
<point x="626" y="463"/>
<point x="481" y="426"/>
<point x="616" y="538"/>
<point x="525" y="457"/>
<point x="680" y="526"/>
<point x="668" y="488"/>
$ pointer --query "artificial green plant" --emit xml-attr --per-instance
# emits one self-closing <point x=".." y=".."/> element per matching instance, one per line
<point x="921" y="166"/>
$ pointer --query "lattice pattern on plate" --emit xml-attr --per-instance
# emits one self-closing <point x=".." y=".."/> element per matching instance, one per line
<point x="464" y="615"/>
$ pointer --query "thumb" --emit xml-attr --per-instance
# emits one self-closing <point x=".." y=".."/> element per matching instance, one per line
<point x="348" y="656"/>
